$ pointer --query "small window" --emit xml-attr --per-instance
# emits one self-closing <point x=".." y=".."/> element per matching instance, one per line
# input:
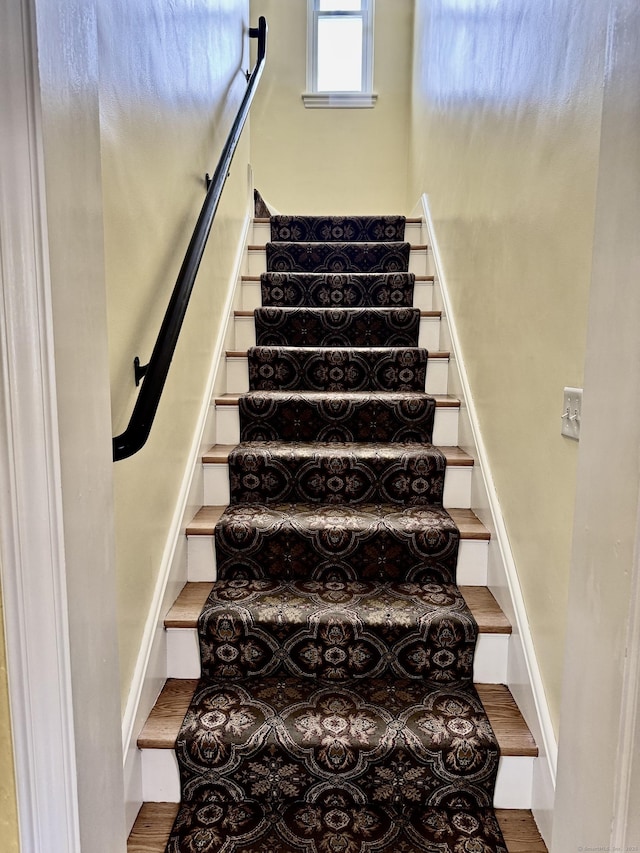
<point x="340" y="54"/>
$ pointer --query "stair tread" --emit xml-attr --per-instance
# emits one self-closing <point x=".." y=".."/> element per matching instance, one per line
<point x="266" y="220"/>
<point x="432" y="353"/>
<point x="343" y="634"/>
<point x="151" y="830"/>
<point x="256" y="278"/>
<point x="470" y="526"/>
<point x="251" y="313"/>
<point x="163" y="724"/>
<point x="185" y="611"/>
<point x="443" y="401"/>
<point x="410" y="220"/>
<point x="509" y="726"/>
<point x="261" y="247"/>
<point x="520" y="832"/>
<point x="219" y="454"/>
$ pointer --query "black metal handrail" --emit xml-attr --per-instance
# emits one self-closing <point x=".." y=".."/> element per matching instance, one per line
<point x="155" y="372"/>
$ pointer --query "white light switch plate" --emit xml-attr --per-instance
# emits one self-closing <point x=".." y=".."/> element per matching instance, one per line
<point x="572" y="413"/>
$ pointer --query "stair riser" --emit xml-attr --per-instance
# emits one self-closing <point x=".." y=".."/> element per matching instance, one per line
<point x="303" y="473"/>
<point x="251" y="297"/>
<point x="457" y="486"/>
<point x="489" y="667"/>
<point x="161" y="779"/>
<point x="262" y="232"/>
<point x="471" y="568"/>
<point x="238" y="375"/>
<point x="445" y="427"/>
<point x="420" y="261"/>
<point x="429" y="337"/>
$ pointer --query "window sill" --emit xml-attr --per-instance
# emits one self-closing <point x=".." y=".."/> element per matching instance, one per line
<point x="339" y="100"/>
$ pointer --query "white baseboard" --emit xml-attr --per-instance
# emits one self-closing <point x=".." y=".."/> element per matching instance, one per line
<point x="524" y="678"/>
<point x="151" y="667"/>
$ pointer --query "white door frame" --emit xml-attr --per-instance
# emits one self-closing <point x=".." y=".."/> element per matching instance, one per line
<point x="31" y="524"/>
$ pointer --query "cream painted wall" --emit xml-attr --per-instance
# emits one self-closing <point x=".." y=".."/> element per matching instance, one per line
<point x="8" y="811"/>
<point x="171" y="79"/>
<point x="332" y="160"/>
<point x="506" y="114"/>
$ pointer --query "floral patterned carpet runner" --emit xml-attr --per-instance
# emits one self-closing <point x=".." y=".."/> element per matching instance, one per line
<point x="336" y="711"/>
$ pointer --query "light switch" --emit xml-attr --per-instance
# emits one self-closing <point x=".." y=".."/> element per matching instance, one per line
<point x="572" y="413"/>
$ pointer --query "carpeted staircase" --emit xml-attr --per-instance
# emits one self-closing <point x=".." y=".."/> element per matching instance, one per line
<point x="336" y="710"/>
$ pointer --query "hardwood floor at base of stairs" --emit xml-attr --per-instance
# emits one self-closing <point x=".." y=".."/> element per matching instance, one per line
<point x="154" y="822"/>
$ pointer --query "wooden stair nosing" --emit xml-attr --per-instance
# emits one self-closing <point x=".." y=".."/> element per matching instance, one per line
<point x="485" y="609"/>
<point x="155" y="820"/>
<point x="433" y="354"/>
<point x="409" y="220"/>
<point x="251" y="313"/>
<point x="163" y="724"/>
<point x="153" y="825"/>
<point x="261" y="247"/>
<point x="417" y="278"/>
<point x="443" y="401"/>
<point x="218" y="454"/>
<point x="521" y="835"/>
<point x="470" y="526"/>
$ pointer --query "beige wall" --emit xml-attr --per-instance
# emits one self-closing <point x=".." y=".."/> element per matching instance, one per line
<point x="332" y="160"/>
<point x="8" y="813"/>
<point x="170" y="83"/>
<point x="506" y="123"/>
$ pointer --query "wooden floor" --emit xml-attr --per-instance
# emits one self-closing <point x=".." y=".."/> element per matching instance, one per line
<point x="152" y="828"/>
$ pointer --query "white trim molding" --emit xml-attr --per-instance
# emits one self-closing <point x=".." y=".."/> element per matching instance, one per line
<point x="31" y="523"/>
<point x="628" y="756"/>
<point x="524" y="678"/>
<point x="339" y="100"/>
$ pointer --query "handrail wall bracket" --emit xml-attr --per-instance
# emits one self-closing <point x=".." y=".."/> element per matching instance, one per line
<point x="155" y="372"/>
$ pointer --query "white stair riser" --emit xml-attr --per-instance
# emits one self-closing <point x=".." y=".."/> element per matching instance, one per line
<point x="262" y="232"/>
<point x="471" y="569"/>
<point x="420" y="261"/>
<point x="457" y="485"/>
<point x="445" y="426"/>
<point x="489" y="664"/>
<point x="160" y="776"/>
<point x="514" y="785"/>
<point x="429" y="335"/>
<point x="161" y="779"/>
<point x="491" y="659"/>
<point x="252" y="297"/>
<point x="437" y="379"/>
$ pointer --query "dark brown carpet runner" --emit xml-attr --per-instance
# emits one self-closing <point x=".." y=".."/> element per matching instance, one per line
<point x="336" y="712"/>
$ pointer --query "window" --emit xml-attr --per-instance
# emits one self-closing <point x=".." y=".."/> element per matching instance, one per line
<point x="340" y="54"/>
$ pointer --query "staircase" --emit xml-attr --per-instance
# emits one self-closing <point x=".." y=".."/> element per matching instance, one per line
<point x="336" y="660"/>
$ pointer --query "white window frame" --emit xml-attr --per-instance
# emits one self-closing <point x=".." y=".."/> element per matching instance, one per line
<point x="363" y="98"/>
